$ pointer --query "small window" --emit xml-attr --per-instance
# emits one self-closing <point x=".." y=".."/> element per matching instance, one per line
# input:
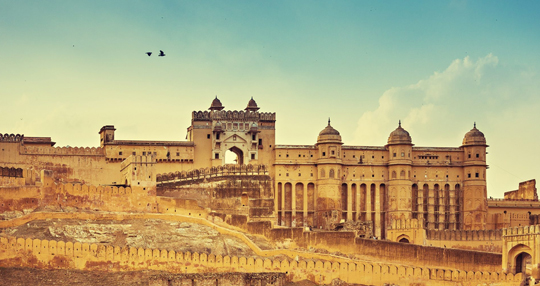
<point x="260" y="141"/>
<point x="177" y="154"/>
<point x="287" y="156"/>
<point x="312" y="155"/>
<point x="312" y="174"/>
<point x="216" y="156"/>
<point x="299" y="155"/>
<point x="217" y="136"/>
<point x="253" y="137"/>
<point x="333" y="153"/>
<point x="469" y="155"/>
<point x="402" y="154"/>
<point x="372" y="157"/>
<point x="373" y="175"/>
<point x="252" y="156"/>
<point x="477" y="155"/>
<point x="354" y="156"/>
<point x="383" y="157"/>
<point x="120" y="153"/>
<point x="394" y="154"/>
<point x="324" y="154"/>
<point x="299" y="175"/>
<point x="286" y="174"/>
<point x="133" y="153"/>
<point x="468" y="175"/>
<point x="477" y="175"/>
<point x="207" y="136"/>
<point x="144" y="153"/>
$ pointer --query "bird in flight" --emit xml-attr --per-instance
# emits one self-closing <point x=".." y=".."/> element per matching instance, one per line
<point x="161" y="53"/>
<point x="149" y="53"/>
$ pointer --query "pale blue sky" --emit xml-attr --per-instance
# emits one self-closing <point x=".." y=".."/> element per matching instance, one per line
<point x="69" y="67"/>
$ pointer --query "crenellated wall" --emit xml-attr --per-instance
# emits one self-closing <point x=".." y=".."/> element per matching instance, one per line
<point x="213" y="172"/>
<point x="233" y="115"/>
<point x="67" y="151"/>
<point x="44" y="254"/>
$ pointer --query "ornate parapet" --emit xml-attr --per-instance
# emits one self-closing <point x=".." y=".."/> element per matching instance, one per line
<point x="62" y="151"/>
<point x="466" y="235"/>
<point x="407" y="231"/>
<point x="11" y="138"/>
<point x="233" y="115"/>
<point x="213" y="172"/>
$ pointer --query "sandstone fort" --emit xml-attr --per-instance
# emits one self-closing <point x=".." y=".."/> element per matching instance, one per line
<point x="398" y="213"/>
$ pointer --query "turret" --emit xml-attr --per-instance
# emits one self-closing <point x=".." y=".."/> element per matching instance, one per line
<point x="399" y="169"/>
<point x="474" y="198"/>
<point x="329" y="209"/>
<point x="106" y="134"/>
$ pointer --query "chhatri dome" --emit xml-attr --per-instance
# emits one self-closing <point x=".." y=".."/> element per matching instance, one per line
<point x="252" y="105"/>
<point x="216" y="104"/>
<point x="329" y="135"/>
<point x="474" y="137"/>
<point x="400" y="136"/>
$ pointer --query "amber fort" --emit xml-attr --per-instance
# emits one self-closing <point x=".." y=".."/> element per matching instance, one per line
<point x="176" y="213"/>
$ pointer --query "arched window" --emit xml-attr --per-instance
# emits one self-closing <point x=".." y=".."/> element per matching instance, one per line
<point x="331" y="173"/>
<point x="394" y="174"/>
<point x="322" y="173"/>
<point x="402" y="174"/>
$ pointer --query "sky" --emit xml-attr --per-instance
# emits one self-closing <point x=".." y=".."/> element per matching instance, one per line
<point x="67" y="68"/>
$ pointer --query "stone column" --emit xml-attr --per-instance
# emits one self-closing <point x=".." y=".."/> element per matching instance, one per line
<point x="349" y="202"/>
<point x="306" y="202"/>
<point x="378" y="211"/>
<point x="442" y="208"/>
<point x="293" y="205"/>
<point x="431" y="208"/>
<point x="368" y="202"/>
<point x="283" y="195"/>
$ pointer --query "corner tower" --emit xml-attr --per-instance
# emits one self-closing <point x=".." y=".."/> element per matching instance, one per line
<point x="329" y="196"/>
<point x="399" y="169"/>
<point x="474" y="200"/>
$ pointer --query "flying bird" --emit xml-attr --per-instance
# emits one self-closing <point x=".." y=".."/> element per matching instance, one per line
<point x="149" y="53"/>
<point x="161" y="53"/>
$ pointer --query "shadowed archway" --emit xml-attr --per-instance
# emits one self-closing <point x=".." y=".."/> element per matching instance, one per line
<point x="239" y="159"/>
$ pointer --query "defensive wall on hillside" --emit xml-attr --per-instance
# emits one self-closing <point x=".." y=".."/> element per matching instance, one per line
<point x="347" y="242"/>
<point x="20" y="252"/>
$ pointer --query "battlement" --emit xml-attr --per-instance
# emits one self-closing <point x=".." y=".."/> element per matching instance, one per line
<point x="464" y="235"/>
<point x="11" y="138"/>
<point x="233" y="115"/>
<point x="63" y="151"/>
<point x="218" y="171"/>
<point x="11" y="172"/>
<point x="90" y="190"/>
<point x="521" y="230"/>
<point x="51" y="254"/>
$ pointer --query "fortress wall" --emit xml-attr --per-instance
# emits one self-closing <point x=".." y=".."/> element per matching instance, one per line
<point x="86" y="165"/>
<point x="480" y="240"/>
<point x="185" y="177"/>
<point x="44" y="254"/>
<point x="425" y="255"/>
<point x="347" y="243"/>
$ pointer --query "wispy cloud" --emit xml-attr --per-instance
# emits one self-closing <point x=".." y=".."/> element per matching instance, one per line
<point x="439" y="110"/>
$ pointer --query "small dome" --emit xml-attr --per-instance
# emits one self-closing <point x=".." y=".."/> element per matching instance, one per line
<point x="252" y="105"/>
<point x="329" y="134"/>
<point x="216" y="104"/>
<point x="399" y="136"/>
<point x="474" y="137"/>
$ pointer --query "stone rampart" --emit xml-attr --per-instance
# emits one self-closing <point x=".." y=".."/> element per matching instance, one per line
<point x="468" y="235"/>
<point x="45" y="254"/>
<point x="213" y="172"/>
<point x="65" y="151"/>
<point x="231" y="115"/>
<point x="11" y="138"/>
